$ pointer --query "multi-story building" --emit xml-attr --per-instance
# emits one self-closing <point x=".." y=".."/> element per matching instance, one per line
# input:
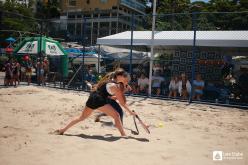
<point x="102" y="17"/>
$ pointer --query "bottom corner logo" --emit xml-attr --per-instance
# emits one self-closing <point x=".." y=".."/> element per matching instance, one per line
<point x="217" y="155"/>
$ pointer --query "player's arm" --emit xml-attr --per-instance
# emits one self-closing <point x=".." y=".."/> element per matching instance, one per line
<point x="118" y="92"/>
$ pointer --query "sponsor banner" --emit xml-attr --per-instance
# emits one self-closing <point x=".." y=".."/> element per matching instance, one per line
<point x="52" y="49"/>
<point x="29" y="48"/>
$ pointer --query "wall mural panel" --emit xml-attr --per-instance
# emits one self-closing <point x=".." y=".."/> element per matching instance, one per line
<point x="206" y="64"/>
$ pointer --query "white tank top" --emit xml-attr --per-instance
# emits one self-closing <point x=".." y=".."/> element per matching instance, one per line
<point x="108" y="88"/>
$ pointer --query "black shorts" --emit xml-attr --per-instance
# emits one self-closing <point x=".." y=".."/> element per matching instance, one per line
<point x="96" y="100"/>
<point x="117" y="107"/>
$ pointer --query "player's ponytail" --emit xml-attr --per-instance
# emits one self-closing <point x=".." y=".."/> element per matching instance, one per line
<point x="105" y="79"/>
<point x="110" y="76"/>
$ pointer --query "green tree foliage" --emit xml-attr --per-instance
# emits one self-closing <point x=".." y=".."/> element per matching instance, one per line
<point x="207" y="17"/>
<point x="49" y="10"/>
<point x="17" y="16"/>
<point x="173" y="6"/>
<point x="173" y="21"/>
<point x="21" y="17"/>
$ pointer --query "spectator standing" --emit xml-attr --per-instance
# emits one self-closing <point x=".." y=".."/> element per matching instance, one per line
<point x="28" y="69"/>
<point x="16" y="72"/>
<point x="167" y="74"/>
<point x="157" y="80"/>
<point x="143" y="83"/>
<point x="40" y="71"/>
<point x="134" y="84"/>
<point x="8" y="73"/>
<point x="46" y="69"/>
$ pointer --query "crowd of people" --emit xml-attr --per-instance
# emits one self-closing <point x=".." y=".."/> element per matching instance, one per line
<point x="23" y="70"/>
<point x="162" y="84"/>
<point x="178" y="86"/>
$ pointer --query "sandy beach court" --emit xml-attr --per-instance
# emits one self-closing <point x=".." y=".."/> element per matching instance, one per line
<point x="181" y="134"/>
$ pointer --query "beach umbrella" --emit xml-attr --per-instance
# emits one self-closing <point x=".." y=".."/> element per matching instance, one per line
<point x="37" y="45"/>
<point x="8" y="50"/>
<point x="10" y="40"/>
<point x="73" y="51"/>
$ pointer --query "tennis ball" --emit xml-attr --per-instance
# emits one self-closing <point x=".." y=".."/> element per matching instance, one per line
<point x="160" y="125"/>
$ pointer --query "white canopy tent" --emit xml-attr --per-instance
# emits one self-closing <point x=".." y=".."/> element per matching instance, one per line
<point x="218" y="39"/>
<point x="179" y="38"/>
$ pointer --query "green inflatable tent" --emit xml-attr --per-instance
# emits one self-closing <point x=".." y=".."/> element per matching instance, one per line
<point x="48" y="47"/>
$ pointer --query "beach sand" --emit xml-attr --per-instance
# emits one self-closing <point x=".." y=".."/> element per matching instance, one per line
<point x="180" y="133"/>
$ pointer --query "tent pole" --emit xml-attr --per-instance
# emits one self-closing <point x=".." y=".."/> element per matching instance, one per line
<point x="131" y="47"/>
<point x="40" y="51"/>
<point x="99" y="54"/>
<point x="193" y="55"/>
<point x="152" y="46"/>
<point x="83" y="41"/>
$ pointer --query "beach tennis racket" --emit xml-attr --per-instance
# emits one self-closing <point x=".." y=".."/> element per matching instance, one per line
<point x="141" y="123"/>
<point x="137" y="130"/>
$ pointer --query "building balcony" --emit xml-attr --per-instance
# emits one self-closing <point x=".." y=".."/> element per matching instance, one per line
<point x="135" y="5"/>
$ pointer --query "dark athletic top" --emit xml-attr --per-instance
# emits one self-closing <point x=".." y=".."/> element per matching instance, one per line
<point x="99" y="97"/>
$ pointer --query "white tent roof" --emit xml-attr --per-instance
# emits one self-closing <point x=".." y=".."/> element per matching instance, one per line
<point x="179" y="38"/>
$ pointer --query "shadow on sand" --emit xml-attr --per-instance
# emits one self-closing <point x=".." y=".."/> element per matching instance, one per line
<point x="108" y="137"/>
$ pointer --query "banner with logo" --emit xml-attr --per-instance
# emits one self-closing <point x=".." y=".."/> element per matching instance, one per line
<point x="30" y="47"/>
<point x="52" y="49"/>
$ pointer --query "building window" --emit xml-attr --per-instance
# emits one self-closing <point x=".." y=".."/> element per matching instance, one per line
<point x="104" y="1"/>
<point x="88" y="1"/>
<point x="87" y="15"/>
<point x="114" y="14"/>
<point x="105" y="15"/>
<point x="72" y="2"/>
<point x="71" y="16"/>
